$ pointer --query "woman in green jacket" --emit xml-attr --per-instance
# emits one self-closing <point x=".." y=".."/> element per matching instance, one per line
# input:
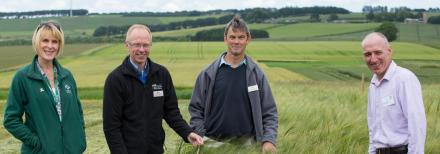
<point x="46" y="93"/>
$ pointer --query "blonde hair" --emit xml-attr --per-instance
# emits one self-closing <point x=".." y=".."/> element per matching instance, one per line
<point x="137" y="26"/>
<point x="48" y="28"/>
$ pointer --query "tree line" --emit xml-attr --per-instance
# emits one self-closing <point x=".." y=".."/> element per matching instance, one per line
<point x="77" y="12"/>
<point x="250" y="12"/>
<point x="120" y="30"/>
<point x="218" y="34"/>
<point x="399" y="16"/>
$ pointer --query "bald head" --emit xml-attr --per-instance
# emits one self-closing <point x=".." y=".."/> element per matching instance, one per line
<point x="377" y="39"/>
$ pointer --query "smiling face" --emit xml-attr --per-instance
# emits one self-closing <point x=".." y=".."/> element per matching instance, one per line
<point x="48" y="41"/>
<point x="236" y="41"/>
<point x="48" y="47"/>
<point x="377" y="54"/>
<point x="139" y="44"/>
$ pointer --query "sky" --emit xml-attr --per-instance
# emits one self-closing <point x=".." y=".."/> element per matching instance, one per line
<point x="107" y="6"/>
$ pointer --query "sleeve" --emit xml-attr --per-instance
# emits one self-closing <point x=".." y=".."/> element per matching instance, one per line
<point x="269" y="113"/>
<point x="81" y="113"/>
<point x="371" y="149"/>
<point x="78" y="100"/>
<point x="172" y="113"/>
<point x="112" y="115"/>
<point x="197" y="107"/>
<point x="413" y="109"/>
<point x="14" y="110"/>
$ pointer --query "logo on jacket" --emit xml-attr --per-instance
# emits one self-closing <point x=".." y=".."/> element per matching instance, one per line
<point x="67" y="87"/>
<point x="157" y="90"/>
<point x="41" y="90"/>
<point x="157" y="86"/>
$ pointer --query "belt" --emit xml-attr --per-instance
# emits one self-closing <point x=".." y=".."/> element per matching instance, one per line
<point x="393" y="150"/>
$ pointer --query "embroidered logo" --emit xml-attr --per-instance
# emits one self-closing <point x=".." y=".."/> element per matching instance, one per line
<point x="41" y="90"/>
<point x="67" y="87"/>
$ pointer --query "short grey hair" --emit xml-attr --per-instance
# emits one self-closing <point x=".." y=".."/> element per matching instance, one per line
<point x="137" y="26"/>
<point x="375" y="34"/>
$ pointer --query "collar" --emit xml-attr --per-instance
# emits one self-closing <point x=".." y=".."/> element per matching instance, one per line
<point x="127" y="67"/>
<point x="35" y="72"/>
<point x="223" y="61"/>
<point x="388" y="75"/>
<point x="136" y="67"/>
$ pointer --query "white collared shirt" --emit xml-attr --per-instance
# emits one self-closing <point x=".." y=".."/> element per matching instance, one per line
<point x="396" y="115"/>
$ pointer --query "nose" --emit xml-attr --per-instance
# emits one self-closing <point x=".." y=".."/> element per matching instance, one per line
<point x="143" y="48"/>
<point x="51" y="44"/>
<point x="373" y="58"/>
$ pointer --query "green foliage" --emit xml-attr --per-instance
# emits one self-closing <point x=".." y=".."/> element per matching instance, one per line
<point x="315" y="17"/>
<point x="434" y="20"/>
<point x="388" y="29"/>
<point x="370" y="16"/>
<point x="218" y="34"/>
<point x="119" y="30"/>
<point x="333" y="17"/>
<point x="399" y="16"/>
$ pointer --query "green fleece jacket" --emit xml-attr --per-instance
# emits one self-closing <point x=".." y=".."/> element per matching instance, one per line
<point x="41" y="130"/>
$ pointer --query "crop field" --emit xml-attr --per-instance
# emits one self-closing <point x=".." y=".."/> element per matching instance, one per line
<point x="24" y="28"/>
<point x="193" y="31"/>
<point x="315" y="117"/>
<point x="318" y="87"/>
<point x="16" y="55"/>
<point x="306" y="30"/>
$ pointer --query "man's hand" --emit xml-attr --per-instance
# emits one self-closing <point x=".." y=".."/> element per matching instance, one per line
<point x="195" y="139"/>
<point x="268" y="147"/>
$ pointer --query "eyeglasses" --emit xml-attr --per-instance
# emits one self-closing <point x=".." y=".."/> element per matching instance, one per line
<point x="48" y="24"/>
<point x="139" y="45"/>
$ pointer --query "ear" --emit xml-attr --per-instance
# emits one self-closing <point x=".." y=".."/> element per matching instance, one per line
<point x="389" y="49"/>
<point x="126" y="45"/>
<point x="225" y="38"/>
<point x="249" y="38"/>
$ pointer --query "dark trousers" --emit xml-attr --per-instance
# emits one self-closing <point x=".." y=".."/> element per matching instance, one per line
<point x="394" y="150"/>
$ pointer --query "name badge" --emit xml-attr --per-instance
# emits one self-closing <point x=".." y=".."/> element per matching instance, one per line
<point x="252" y="88"/>
<point x="158" y="93"/>
<point x="387" y="100"/>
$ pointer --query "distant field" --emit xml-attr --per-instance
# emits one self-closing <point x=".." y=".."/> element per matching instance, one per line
<point x="304" y="60"/>
<point x="185" y="32"/>
<point x="82" y="24"/>
<point x="315" y="95"/>
<point x="308" y="30"/>
<point x="324" y="17"/>
<point x="18" y="55"/>
<point x="193" y="31"/>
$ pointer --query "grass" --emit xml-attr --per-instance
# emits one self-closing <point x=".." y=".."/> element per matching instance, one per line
<point x="314" y="117"/>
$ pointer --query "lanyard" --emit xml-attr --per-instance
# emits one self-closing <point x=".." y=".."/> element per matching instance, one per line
<point x="54" y="91"/>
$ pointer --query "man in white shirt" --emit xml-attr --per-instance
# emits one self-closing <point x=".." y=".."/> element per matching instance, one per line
<point x="396" y="115"/>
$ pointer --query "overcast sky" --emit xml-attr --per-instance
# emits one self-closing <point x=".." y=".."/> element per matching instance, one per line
<point x="105" y="6"/>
